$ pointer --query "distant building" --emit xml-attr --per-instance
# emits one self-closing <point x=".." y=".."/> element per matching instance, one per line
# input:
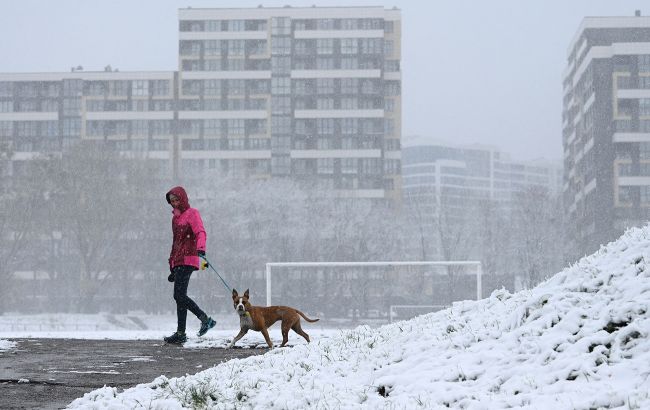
<point x="309" y="93"/>
<point x="606" y="129"/>
<point x="472" y="173"/>
<point x="444" y="185"/>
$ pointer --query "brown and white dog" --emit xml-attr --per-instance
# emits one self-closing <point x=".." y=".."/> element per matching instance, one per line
<point x="261" y="318"/>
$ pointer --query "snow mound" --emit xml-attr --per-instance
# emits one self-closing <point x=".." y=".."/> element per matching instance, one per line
<point x="578" y="340"/>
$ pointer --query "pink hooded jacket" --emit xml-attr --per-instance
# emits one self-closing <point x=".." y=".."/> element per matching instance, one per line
<point x="188" y="231"/>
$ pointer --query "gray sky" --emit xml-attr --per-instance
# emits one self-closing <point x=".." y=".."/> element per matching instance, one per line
<point x="487" y="72"/>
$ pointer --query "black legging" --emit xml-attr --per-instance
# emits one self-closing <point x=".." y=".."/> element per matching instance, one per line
<point x="183" y="302"/>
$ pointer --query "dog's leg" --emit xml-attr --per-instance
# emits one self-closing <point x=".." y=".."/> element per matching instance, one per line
<point x="265" y="332"/>
<point x="298" y="329"/>
<point x="285" y="333"/>
<point x="241" y="334"/>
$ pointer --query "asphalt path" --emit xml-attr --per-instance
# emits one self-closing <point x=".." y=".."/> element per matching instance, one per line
<point x="51" y="373"/>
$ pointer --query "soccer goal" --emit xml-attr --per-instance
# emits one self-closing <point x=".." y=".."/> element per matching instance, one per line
<point x="371" y="291"/>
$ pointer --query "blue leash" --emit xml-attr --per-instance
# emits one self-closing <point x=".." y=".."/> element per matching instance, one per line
<point x="228" y="288"/>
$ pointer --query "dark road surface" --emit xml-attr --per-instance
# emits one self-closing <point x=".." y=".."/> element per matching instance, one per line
<point x="61" y="370"/>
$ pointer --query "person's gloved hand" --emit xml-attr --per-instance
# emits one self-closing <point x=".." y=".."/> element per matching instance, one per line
<point x="201" y="253"/>
<point x="172" y="276"/>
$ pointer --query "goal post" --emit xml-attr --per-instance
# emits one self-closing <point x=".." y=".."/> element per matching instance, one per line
<point x="271" y="265"/>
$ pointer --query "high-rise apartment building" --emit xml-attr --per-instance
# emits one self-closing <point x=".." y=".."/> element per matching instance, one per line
<point x="606" y="128"/>
<point x="308" y="93"/>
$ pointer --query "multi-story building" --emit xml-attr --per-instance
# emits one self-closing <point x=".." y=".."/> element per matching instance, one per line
<point x="606" y="128"/>
<point x="450" y="189"/>
<point x="308" y="93"/>
<point x="465" y="175"/>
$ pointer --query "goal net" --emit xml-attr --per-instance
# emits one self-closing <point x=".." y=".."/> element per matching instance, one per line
<point x="371" y="292"/>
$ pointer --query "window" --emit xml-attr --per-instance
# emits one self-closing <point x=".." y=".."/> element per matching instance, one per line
<point x="6" y="128"/>
<point x="349" y="63"/>
<point x="348" y="143"/>
<point x="212" y="87"/>
<point x="6" y="89"/>
<point x="95" y="128"/>
<point x="140" y="128"/>
<point x="160" y="87"/>
<point x="325" y="24"/>
<point x="644" y="107"/>
<point x="50" y="128"/>
<point x="392" y="88"/>
<point x="371" y="45"/>
<point x="71" y="106"/>
<point x="235" y="47"/>
<point x="349" y="165"/>
<point x="349" y="86"/>
<point x="280" y="26"/>
<point x="349" y="24"/>
<point x="389" y="26"/>
<point x="72" y="88"/>
<point x="645" y="194"/>
<point x="96" y="88"/>
<point x="325" y="85"/>
<point x="212" y="25"/>
<point x="71" y="127"/>
<point x="369" y="165"/>
<point x="349" y="103"/>
<point x="391" y="65"/>
<point x="281" y="85"/>
<point x="389" y="105"/>
<point x="280" y="165"/>
<point x="49" y="105"/>
<point x="389" y="126"/>
<point x="161" y="127"/>
<point x="117" y="88"/>
<point x="644" y="63"/>
<point x="235" y="127"/>
<point x="281" y="46"/>
<point x="325" y="103"/>
<point x="236" y="87"/>
<point x="236" y="144"/>
<point x="324" y="143"/>
<point x="388" y="47"/>
<point x="6" y="106"/>
<point x="140" y="88"/>
<point x="625" y="194"/>
<point x="349" y="126"/>
<point x="325" y="126"/>
<point x="325" y="63"/>
<point x="280" y="125"/>
<point x="324" y="46"/>
<point x="325" y="165"/>
<point x="235" y="25"/>
<point x="281" y="105"/>
<point x="302" y="47"/>
<point x="212" y="128"/>
<point x="280" y="65"/>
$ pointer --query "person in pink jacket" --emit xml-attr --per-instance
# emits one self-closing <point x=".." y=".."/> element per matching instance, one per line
<point x="188" y="244"/>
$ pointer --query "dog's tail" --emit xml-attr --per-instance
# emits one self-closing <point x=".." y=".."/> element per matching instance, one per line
<point x="306" y="318"/>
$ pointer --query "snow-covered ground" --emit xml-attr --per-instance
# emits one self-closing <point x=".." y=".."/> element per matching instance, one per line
<point x="130" y="327"/>
<point x="578" y="340"/>
<point x="6" y="345"/>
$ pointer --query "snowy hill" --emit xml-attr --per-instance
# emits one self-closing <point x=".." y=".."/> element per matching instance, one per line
<point x="578" y="340"/>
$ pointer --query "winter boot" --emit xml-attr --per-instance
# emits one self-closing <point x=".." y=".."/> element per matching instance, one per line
<point x="206" y="325"/>
<point x="178" y="338"/>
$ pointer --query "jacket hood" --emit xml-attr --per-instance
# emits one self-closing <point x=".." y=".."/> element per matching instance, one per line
<point x="179" y="191"/>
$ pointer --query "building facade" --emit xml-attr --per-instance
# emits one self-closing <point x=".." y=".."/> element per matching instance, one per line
<point x="312" y="93"/>
<point x="465" y="175"/>
<point x="606" y="129"/>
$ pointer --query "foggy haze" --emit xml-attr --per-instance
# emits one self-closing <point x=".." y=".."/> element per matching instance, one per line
<point x="472" y="72"/>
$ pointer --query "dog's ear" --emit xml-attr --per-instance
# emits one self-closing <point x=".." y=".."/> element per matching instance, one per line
<point x="234" y="293"/>
<point x="246" y="294"/>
